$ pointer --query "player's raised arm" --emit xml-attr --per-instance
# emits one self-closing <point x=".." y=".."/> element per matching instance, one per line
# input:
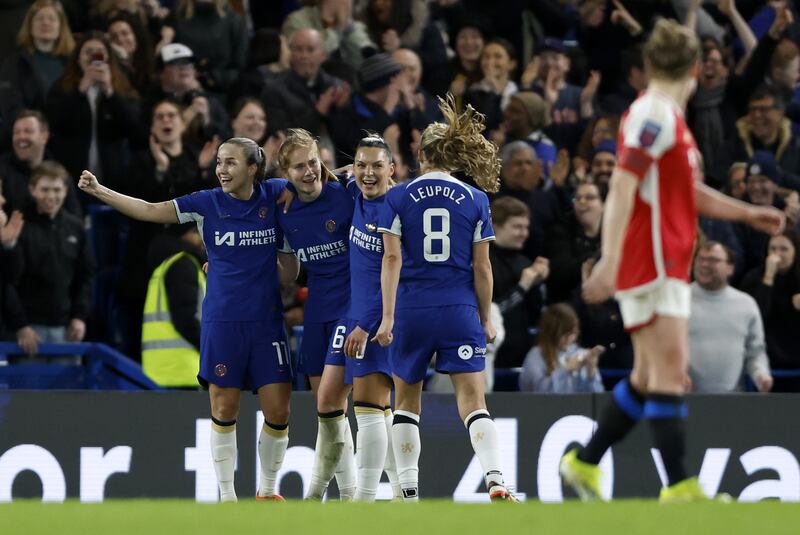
<point x="712" y="203"/>
<point x="161" y="212"/>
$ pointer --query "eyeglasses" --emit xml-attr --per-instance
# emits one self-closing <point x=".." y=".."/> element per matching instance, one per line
<point x="710" y="260"/>
<point x="761" y="109"/>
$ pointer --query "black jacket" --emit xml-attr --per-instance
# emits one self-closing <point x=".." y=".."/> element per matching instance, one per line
<point x="70" y="119"/>
<point x="567" y="247"/>
<point x="54" y="283"/>
<point x="520" y="309"/>
<point x="21" y="87"/>
<point x="290" y="101"/>
<point x="11" y="312"/>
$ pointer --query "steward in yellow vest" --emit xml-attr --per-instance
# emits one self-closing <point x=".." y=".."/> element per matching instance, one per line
<point x="168" y="358"/>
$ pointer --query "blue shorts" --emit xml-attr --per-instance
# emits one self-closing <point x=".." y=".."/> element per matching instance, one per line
<point x="454" y="333"/>
<point x="244" y="354"/>
<point x="374" y="360"/>
<point x="314" y="354"/>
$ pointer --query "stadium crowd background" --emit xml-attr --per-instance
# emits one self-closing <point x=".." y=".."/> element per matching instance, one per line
<point x="142" y="92"/>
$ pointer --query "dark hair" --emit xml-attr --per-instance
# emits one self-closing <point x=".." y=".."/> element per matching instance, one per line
<point x="707" y="245"/>
<point x="72" y="71"/>
<point x="793" y="237"/>
<point x="504" y="208"/>
<point x="400" y="19"/>
<point x="602" y="188"/>
<point x="36" y="114"/>
<point x="50" y="169"/>
<point x="143" y="60"/>
<point x="376" y="141"/>
<point x="264" y="47"/>
<point x="506" y="45"/>
<point x="170" y="101"/>
<point x="766" y="91"/>
<point x="631" y="58"/>
<point x="557" y="320"/>
<point x="253" y="154"/>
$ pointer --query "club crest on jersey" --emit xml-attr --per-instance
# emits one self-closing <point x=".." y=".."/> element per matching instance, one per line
<point x="220" y="370"/>
<point x="649" y="133"/>
<point x="330" y="225"/>
<point x="262" y="212"/>
<point x="371" y="227"/>
<point x="465" y="352"/>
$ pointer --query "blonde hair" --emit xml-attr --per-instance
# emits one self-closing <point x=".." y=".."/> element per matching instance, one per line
<point x="298" y="138"/>
<point x="458" y="145"/>
<point x="671" y="50"/>
<point x="65" y="42"/>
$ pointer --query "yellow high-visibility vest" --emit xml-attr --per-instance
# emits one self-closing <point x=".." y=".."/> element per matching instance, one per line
<point x="167" y="358"/>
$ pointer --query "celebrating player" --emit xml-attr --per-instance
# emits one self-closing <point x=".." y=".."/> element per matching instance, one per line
<point x="243" y="342"/>
<point x="368" y="365"/>
<point x="443" y="228"/>
<point x="649" y="229"/>
<point x="316" y="227"/>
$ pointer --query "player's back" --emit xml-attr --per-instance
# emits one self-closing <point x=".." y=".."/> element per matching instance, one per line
<point x="439" y="218"/>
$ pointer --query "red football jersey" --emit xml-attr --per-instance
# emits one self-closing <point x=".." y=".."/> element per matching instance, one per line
<point x="657" y="146"/>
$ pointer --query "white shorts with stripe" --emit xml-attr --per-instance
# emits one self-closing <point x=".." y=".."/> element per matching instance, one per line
<point x="667" y="297"/>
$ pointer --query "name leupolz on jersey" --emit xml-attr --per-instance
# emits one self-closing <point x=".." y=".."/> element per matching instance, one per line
<point x="246" y="238"/>
<point x="424" y="192"/>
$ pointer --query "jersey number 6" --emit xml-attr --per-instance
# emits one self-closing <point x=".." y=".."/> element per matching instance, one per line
<point x="432" y="236"/>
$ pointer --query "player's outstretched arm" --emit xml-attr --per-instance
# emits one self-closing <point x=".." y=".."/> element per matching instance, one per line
<point x="599" y="286"/>
<point x="712" y="203"/>
<point x="482" y="274"/>
<point x="390" y="278"/>
<point x="161" y="212"/>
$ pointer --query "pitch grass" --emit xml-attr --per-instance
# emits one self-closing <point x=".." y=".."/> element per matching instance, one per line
<point x="180" y="517"/>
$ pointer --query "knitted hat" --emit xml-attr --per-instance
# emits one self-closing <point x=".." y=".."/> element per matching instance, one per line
<point x="607" y="145"/>
<point x="377" y="71"/>
<point x="536" y="107"/>
<point x="550" y="44"/>
<point x="763" y="163"/>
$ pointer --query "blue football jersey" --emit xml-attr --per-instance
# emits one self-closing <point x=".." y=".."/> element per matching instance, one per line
<point x="317" y="233"/>
<point x="366" y="255"/>
<point x="438" y="219"/>
<point x="242" y="239"/>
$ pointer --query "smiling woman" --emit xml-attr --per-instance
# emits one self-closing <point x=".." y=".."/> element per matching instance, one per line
<point x="243" y="343"/>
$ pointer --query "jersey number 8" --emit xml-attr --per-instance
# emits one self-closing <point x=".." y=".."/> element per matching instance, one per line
<point x="431" y="236"/>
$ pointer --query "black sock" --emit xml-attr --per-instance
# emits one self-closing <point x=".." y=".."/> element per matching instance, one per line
<point x="616" y="421"/>
<point x="667" y="415"/>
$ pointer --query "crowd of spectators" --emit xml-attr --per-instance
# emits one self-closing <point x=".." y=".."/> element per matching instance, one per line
<point x="142" y="92"/>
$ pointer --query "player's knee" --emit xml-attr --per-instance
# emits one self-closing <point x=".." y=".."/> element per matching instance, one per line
<point x="277" y="415"/>
<point x="225" y="411"/>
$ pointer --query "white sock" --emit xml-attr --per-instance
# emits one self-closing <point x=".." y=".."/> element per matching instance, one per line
<point x="327" y="452"/>
<point x="346" y="469"/>
<point x="389" y="465"/>
<point x="483" y="435"/>
<point x="272" y="445"/>
<point x="223" y="452"/>
<point x="371" y="452"/>
<point x="407" y="445"/>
